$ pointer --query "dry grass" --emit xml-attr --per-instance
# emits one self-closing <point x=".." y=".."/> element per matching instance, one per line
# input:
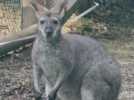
<point x="10" y="20"/>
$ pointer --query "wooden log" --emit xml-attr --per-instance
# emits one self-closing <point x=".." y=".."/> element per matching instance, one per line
<point x="8" y="46"/>
<point x="24" y="33"/>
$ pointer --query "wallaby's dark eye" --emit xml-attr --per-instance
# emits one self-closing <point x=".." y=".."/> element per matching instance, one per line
<point x="42" y="22"/>
<point x="55" y="21"/>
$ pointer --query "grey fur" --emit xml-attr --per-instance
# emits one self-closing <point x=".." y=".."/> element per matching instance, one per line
<point x="92" y="70"/>
<point x="74" y="67"/>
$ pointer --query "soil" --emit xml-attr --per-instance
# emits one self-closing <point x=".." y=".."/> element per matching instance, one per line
<point x="16" y="77"/>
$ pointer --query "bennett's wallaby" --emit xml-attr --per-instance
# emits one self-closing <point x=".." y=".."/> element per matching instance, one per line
<point x="74" y="67"/>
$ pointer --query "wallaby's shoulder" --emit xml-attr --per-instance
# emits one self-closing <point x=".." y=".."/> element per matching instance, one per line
<point x="86" y="46"/>
<point x="82" y="41"/>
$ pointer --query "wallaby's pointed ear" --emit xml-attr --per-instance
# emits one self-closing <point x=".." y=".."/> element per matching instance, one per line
<point x="60" y="7"/>
<point x="39" y="9"/>
<point x="63" y="6"/>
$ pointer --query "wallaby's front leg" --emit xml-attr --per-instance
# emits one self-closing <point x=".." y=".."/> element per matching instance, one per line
<point x="62" y="77"/>
<point x="36" y="77"/>
<point x="53" y="92"/>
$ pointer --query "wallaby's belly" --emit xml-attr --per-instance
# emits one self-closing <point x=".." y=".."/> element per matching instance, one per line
<point x="69" y="91"/>
<point x="52" y="67"/>
<point x="71" y="87"/>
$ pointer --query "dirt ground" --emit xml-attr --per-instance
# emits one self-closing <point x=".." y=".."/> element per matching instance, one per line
<point x="16" y="71"/>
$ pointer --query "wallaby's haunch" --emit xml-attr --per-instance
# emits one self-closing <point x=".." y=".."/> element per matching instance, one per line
<point x="74" y="67"/>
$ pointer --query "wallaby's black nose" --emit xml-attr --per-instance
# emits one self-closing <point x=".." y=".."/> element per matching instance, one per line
<point x="48" y="30"/>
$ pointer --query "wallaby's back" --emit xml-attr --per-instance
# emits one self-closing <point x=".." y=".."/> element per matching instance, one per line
<point x="94" y="70"/>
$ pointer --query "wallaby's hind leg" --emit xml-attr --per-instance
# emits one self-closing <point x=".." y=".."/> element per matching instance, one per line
<point x="95" y="88"/>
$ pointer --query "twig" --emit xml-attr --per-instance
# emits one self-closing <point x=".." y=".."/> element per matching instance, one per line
<point x="87" y="11"/>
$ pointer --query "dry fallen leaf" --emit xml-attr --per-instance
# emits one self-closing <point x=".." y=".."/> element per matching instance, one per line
<point x="71" y="24"/>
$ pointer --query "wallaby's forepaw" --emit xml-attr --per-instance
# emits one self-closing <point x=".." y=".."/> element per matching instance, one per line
<point x="38" y="98"/>
<point x="36" y="88"/>
<point x="51" y="96"/>
<point x="37" y="95"/>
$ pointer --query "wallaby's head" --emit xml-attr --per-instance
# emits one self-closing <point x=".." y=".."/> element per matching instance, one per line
<point x="49" y="21"/>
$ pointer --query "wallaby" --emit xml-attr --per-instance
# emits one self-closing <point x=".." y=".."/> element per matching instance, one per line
<point x="74" y="67"/>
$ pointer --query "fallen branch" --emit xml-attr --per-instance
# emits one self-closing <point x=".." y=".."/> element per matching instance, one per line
<point x="24" y="33"/>
<point x="86" y="12"/>
<point x="6" y="47"/>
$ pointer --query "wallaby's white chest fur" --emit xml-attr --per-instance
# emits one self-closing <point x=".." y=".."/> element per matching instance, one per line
<point x="51" y="59"/>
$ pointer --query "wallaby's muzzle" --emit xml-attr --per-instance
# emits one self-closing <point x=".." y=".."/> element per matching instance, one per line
<point x="49" y="31"/>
